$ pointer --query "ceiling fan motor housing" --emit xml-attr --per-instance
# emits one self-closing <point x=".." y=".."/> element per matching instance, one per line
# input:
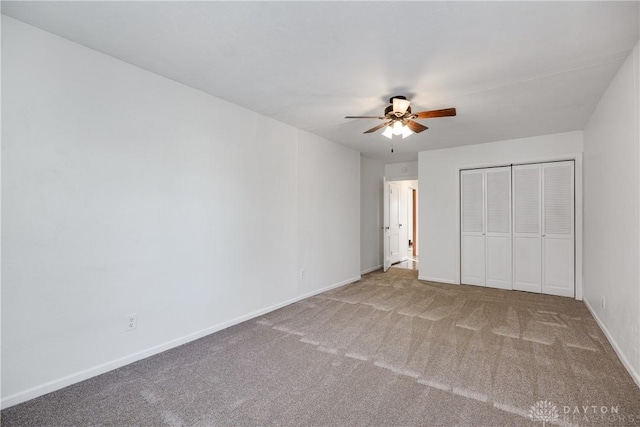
<point x="389" y="109"/>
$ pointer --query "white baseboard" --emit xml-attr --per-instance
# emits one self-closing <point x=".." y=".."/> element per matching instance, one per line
<point x="614" y="344"/>
<point x="369" y="270"/>
<point x="436" y="279"/>
<point x="310" y="294"/>
<point x="68" y="380"/>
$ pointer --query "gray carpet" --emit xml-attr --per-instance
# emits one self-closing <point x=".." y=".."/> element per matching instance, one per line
<point x="387" y="350"/>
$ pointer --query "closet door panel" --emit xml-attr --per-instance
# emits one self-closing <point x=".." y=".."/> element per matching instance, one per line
<point x="472" y="225"/>
<point x="473" y="263"/>
<point x="558" y="229"/>
<point x="499" y="262"/>
<point x="558" y="199"/>
<point x="526" y="200"/>
<point x="527" y="264"/>
<point x="498" y="227"/>
<point x="527" y="227"/>
<point x="558" y="267"/>
<point x="472" y="201"/>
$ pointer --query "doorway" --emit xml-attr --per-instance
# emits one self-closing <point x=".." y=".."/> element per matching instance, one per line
<point x="401" y="224"/>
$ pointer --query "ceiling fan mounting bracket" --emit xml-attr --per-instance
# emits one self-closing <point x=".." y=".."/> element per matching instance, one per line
<point x="396" y="97"/>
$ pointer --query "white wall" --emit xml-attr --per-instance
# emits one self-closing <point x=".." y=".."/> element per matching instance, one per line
<point x="401" y="171"/>
<point x="328" y="213"/>
<point x="612" y="214"/>
<point x="438" y="177"/>
<point x="371" y="176"/>
<point x="124" y="192"/>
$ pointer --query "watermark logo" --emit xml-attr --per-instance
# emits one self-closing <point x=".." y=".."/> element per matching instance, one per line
<point x="548" y="412"/>
<point x="544" y="411"/>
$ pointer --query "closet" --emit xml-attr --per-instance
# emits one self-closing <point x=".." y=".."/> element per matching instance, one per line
<point x="517" y="227"/>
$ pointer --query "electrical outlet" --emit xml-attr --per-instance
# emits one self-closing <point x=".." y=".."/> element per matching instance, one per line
<point x="603" y="305"/>
<point x="132" y="322"/>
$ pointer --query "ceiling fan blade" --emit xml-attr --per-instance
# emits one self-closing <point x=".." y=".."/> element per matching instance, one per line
<point x="415" y="126"/>
<point x="447" y="112"/>
<point x="373" y="129"/>
<point x="364" y="117"/>
<point x="400" y="105"/>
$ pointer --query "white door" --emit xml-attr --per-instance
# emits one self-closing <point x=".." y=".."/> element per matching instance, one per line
<point x="472" y="227"/>
<point x="527" y="228"/>
<point x="391" y="228"/>
<point x="498" y="227"/>
<point x="393" y="232"/>
<point x="558" y="229"/>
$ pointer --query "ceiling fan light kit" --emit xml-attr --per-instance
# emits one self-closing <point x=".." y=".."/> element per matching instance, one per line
<point x="397" y="128"/>
<point x="400" y="119"/>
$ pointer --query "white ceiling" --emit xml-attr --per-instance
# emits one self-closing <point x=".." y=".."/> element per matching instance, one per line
<point x="512" y="69"/>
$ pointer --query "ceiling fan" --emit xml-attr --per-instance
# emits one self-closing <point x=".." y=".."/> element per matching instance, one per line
<point x="399" y="120"/>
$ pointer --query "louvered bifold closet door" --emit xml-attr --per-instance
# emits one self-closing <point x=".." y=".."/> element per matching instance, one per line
<point x="558" y="229"/>
<point x="498" y="227"/>
<point x="527" y="228"/>
<point x="472" y="184"/>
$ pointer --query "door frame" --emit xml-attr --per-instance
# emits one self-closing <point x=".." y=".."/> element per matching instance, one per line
<point x="577" y="158"/>
<point x="414" y="243"/>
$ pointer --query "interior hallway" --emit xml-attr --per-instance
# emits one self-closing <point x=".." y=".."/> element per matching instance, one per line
<point x="411" y="263"/>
